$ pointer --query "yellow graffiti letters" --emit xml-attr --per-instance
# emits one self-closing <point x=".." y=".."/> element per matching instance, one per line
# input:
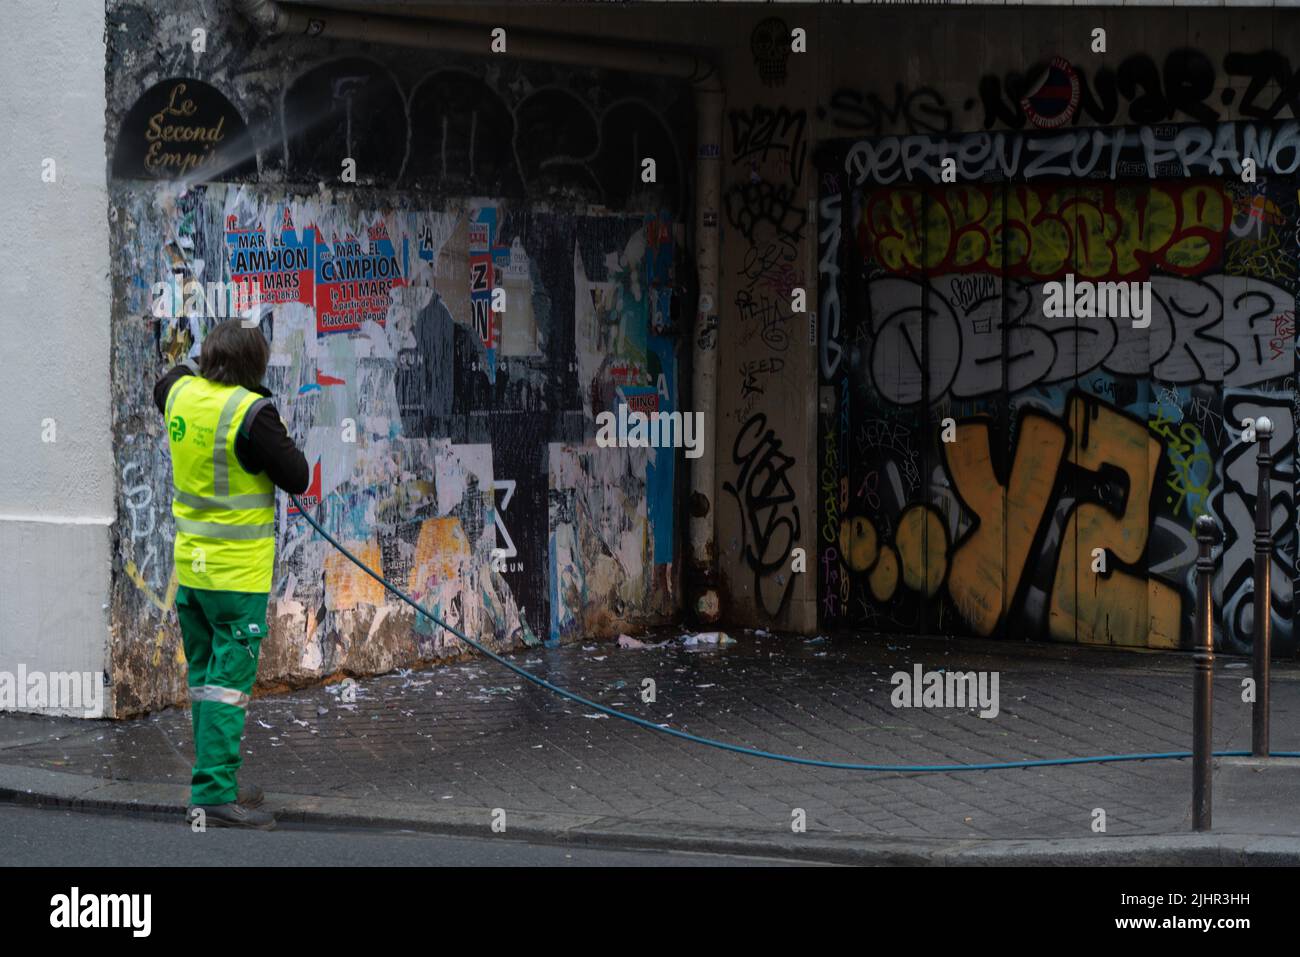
<point x="922" y="542"/>
<point x="976" y="581"/>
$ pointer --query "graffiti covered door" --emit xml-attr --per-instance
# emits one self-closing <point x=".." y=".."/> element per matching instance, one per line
<point x="1023" y="407"/>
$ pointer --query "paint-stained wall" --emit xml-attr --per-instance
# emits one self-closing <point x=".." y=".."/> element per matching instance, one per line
<point x="452" y="448"/>
<point x="826" y="432"/>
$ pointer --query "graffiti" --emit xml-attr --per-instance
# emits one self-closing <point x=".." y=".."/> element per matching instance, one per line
<point x="1147" y="152"/>
<point x="1103" y="232"/>
<point x="138" y="499"/>
<point x="754" y="374"/>
<point x="1118" y="607"/>
<point x="148" y="537"/>
<point x="769" y="515"/>
<point x="454" y="132"/>
<point x="828" y="271"/>
<point x="771" y="267"/>
<point x="707" y="332"/>
<point x="1236" y="503"/>
<point x="970" y="292"/>
<point x="1139" y="91"/>
<point x="921" y="110"/>
<point x="754" y="205"/>
<point x="1207" y="417"/>
<point x="1191" y="464"/>
<point x="764" y="134"/>
<point x="834" y="482"/>
<point x="768" y="316"/>
<point x="1251" y="213"/>
<point x="1271" y="255"/>
<point x="894" y="439"/>
<point x="978" y="589"/>
<point x="162" y="602"/>
<point x="1201" y="329"/>
<point x="982" y="570"/>
<point x="1283" y="332"/>
<point x="1074" y="437"/>
<point x="922" y="549"/>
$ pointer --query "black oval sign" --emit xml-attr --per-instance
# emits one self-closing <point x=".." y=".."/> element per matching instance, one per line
<point x="183" y="129"/>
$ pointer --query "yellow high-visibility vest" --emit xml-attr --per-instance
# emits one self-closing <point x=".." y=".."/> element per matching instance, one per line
<point x="225" y="515"/>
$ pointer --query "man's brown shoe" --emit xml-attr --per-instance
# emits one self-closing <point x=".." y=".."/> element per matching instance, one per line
<point x="231" y="815"/>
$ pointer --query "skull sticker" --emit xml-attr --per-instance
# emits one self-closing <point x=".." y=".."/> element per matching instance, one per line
<point x="770" y="43"/>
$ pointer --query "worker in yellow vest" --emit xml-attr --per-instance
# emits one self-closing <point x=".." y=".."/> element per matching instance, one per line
<point x="229" y="450"/>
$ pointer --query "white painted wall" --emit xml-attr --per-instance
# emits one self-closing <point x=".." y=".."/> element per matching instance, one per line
<point x="56" y="499"/>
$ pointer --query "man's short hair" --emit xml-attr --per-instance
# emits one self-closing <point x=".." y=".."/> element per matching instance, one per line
<point x="234" y="354"/>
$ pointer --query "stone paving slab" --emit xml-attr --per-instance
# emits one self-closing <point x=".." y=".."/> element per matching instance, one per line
<point x="463" y="739"/>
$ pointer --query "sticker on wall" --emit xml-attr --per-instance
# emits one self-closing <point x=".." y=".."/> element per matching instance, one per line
<point x="770" y="44"/>
<point x="183" y="129"/>
<point x="1053" y="101"/>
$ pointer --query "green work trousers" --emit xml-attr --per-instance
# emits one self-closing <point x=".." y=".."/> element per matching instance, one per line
<point x="222" y="633"/>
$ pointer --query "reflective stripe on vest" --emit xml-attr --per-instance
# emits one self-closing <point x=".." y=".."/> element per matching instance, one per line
<point x="220" y="456"/>
<point x="256" y="500"/>
<point x="225" y="515"/>
<point x="176" y="390"/>
<point x="229" y="531"/>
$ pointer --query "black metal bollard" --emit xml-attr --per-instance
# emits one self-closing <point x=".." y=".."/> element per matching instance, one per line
<point x="1261" y="645"/>
<point x="1207" y="535"/>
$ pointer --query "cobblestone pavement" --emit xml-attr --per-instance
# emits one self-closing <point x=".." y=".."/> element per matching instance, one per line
<point x="473" y="735"/>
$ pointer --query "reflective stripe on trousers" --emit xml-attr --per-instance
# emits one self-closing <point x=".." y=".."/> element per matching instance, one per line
<point x="219" y="694"/>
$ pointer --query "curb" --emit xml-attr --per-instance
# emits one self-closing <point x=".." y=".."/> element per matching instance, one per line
<point x="38" y="787"/>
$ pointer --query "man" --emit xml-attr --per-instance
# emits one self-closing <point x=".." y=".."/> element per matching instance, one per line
<point x="229" y="450"/>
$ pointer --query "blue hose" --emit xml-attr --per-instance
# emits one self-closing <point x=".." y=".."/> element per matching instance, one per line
<point x="735" y="748"/>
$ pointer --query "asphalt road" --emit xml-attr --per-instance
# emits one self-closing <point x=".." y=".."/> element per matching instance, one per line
<point x="59" y="838"/>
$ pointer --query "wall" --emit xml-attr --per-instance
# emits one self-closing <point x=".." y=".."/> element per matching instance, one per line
<point x="57" y="473"/>
<point x="1070" y="434"/>
<point x="766" y="441"/>
<point x="437" y="431"/>
<point x="549" y="147"/>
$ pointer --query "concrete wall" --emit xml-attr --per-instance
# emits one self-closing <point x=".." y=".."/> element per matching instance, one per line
<point x="893" y="542"/>
<point x="56" y="477"/>
<point x="805" y="153"/>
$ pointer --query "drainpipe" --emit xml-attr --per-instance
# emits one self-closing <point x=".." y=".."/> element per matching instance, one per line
<point x="278" y="19"/>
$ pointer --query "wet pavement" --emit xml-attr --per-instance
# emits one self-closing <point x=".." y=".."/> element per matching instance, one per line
<point x="473" y="735"/>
